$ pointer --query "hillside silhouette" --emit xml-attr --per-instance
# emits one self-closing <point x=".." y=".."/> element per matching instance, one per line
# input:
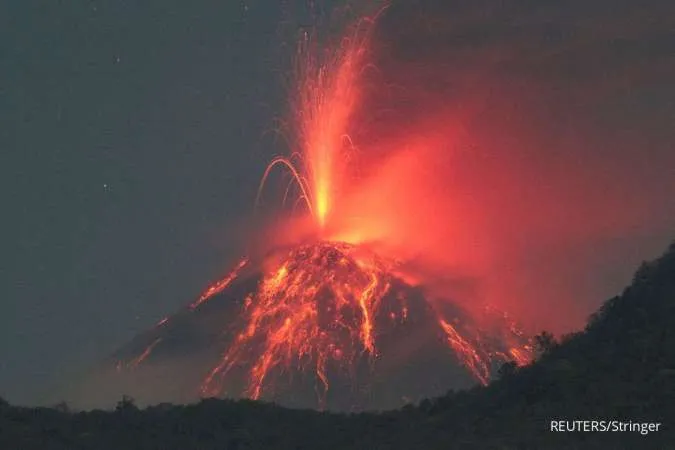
<point x="620" y="367"/>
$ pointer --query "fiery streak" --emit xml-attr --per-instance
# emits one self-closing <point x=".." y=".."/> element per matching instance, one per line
<point x="143" y="356"/>
<point x="468" y="354"/>
<point x="521" y="356"/>
<point x="299" y="179"/>
<point x="220" y="285"/>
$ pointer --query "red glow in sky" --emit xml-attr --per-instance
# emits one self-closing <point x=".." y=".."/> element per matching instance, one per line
<point x="499" y="181"/>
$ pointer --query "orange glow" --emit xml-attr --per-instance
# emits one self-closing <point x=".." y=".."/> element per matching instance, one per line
<point x="322" y="304"/>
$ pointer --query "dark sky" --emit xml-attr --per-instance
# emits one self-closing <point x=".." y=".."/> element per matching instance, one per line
<point x="133" y="137"/>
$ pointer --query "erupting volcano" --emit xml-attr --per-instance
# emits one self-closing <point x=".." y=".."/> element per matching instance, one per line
<point x="333" y="317"/>
<point x="324" y="324"/>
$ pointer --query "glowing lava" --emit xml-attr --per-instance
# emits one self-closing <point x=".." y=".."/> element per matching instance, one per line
<point x="317" y="306"/>
<point x="327" y="305"/>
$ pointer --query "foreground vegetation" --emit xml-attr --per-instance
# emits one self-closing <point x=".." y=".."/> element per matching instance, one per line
<point x="622" y="366"/>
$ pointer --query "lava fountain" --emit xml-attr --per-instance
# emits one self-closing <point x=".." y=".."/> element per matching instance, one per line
<point x="326" y="95"/>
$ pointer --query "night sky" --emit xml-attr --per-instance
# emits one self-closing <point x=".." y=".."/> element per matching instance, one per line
<point x="133" y="138"/>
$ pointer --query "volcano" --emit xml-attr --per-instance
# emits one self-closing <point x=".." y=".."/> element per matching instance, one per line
<point x="334" y="318"/>
<point x="325" y="325"/>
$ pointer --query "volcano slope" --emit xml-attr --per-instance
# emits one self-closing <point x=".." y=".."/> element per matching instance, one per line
<point x="621" y="367"/>
<point x="323" y="325"/>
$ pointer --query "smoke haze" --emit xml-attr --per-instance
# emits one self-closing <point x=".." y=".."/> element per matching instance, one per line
<point x="528" y="146"/>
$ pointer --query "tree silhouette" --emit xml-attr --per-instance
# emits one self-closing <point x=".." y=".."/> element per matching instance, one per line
<point x="62" y="407"/>
<point x="126" y="404"/>
<point x="507" y="369"/>
<point x="544" y="342"/>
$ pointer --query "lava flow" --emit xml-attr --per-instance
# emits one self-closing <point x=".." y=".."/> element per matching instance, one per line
<point x="321" y="307"/>
<point x="318" y="305"/>
<point x="327" y="304"/>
